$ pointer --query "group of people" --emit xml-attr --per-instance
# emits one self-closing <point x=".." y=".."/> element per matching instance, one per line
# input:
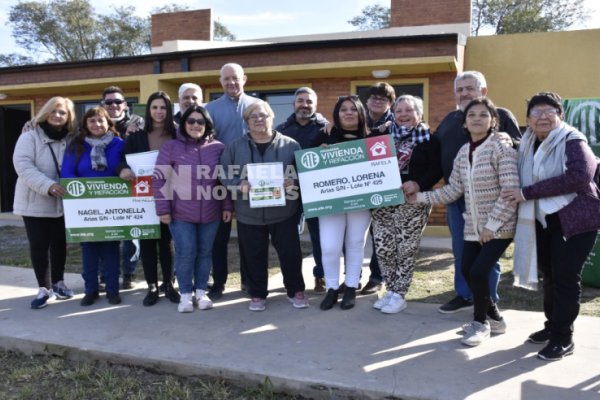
<point x="537" y="189"/>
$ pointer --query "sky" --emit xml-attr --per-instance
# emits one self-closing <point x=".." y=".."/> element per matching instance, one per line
<point x="253" y="19"/>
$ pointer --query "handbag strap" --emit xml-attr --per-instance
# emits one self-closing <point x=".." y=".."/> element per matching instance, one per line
<point x="55" y="159"/>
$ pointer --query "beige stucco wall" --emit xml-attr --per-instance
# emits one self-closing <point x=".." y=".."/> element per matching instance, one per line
<point x="517" y="66"/>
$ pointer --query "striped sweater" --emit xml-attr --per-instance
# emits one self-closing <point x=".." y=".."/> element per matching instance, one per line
<point x="494" y="167"/>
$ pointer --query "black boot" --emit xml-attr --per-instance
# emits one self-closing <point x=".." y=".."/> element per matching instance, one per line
<point x="152" y="296"/>
<point x="331" y="298"/>
<point x="171" y="293"/>
<point x="348" y="299"/>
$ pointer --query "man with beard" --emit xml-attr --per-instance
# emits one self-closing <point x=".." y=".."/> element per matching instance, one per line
<point x="304" y="126"/>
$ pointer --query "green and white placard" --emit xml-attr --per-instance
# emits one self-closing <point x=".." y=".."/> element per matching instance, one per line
<point x="355" y="175"/>
<point x="103" y="209"/>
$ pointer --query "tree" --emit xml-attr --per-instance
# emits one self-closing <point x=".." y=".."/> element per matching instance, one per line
<point x="521" y="16"/>
<point x="13" y="59"/>
<point x="372" y="18"/>
<point x="70" y="30"/>
<point x="221" y="32"/>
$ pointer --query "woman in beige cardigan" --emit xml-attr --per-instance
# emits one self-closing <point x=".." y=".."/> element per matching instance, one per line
<point x="37" y="159"/>
<point x="482" y="168"/>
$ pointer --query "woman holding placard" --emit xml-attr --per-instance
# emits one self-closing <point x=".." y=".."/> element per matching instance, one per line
<point x="96" y="152"/>
<point x="264" y="149"/>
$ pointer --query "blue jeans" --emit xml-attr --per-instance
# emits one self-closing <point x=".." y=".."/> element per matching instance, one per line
<point x="456" y="224"/>
<point x="95" y="253"/>
<point x="193" y="253"/>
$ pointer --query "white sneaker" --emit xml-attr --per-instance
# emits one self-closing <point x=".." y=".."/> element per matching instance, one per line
<point x="185" y="303"/>
<point x="477" y="333"/>
<point x="202" y="300"/>
<point x="395" y="304"/>
<point x="382" y="301"/>
<point x="496" y="327"/>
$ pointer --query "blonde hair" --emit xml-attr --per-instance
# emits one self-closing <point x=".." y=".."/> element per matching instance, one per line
<point x="42" y="115"/>
<point x="255" y="105"/>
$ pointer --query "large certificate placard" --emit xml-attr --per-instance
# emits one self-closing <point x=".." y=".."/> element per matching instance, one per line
<point x="355" y="175"/>
<point x="103" y="209"/>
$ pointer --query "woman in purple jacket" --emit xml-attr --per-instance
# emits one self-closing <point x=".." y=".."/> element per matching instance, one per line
<point x="191" y="200"/>
<point x="559" y="216"/>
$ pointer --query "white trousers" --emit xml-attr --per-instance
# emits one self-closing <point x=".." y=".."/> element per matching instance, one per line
<point x="337" y="231"/>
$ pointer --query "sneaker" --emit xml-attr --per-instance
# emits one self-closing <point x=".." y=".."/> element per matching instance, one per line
<point x="113" y="298"/>
<point x="42" y="298"/>
<point x="371" y="287"/>
<point x="382" y="301"/>
<point x="477" y="333"/>
<point x="185" y="304"/>
<point x="61" y="291"/>
<point x="202" y="300"/>
<point x="496" y="327"/>
<point x="320" y="285"/>
<point x="342" y="287"/>
<point x="257" y="304"/>
<point x="89" y="299"/>
<point x="172" y="294"/>
<point x="299" y="301"/>
<point x="127" y="281"/>
<point x="151" y="297"/>
<point x="215" y="293"/>
<point x="539" y="337"/>
<point x="455" y="305"/>
<point x="556" y="351"/>
<point x="395" y="304"/>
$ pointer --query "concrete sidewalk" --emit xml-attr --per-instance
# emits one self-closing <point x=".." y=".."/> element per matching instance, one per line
<point x="359" y="353"/>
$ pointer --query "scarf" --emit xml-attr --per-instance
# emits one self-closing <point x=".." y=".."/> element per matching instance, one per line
<point x="52" y="132"/>
<point x="548" y="161"/>
<point x="405" y="140"/>
<point x="98" y="153"/>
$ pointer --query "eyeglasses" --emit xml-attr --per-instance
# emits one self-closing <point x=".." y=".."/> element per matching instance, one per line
<point x="258" y="116"/>
<point x="536" y="112"/>
<point x="110" y="102"/>
<point x="379" y="99"/>
<point x="192" y="121"/>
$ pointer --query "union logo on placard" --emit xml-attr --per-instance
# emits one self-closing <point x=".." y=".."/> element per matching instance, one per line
<point x="377" y="199"/>
<point x="76" y="188"/>
<point x="309" y="160"/>
<point x="135" y="232"/>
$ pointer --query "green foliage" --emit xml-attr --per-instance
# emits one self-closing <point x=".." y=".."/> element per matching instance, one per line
<point x="522" y="16"/>
<point x="71" y="30"/>
<point x="221" y="32"/>
<point x="372" y="17"/>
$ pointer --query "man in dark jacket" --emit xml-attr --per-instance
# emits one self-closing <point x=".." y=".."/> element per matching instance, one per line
<point x="304" y="126"/>
<point x="451" y="134"/>
<point x="113" y="100"/>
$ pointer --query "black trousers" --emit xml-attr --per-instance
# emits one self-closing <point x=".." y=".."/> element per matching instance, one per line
<point x="220" y="261"/>
<point x="477" y="262"/>
<point x="254" y="249"/>
<point x="561" y="262"/>
<point x="151" y="250"/>
<point x="47" y="248"/>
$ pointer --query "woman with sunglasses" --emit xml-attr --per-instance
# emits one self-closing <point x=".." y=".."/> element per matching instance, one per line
<point x="190" y="199"/>
<point x="347" y="231"/>
<point x="158" y="129"/>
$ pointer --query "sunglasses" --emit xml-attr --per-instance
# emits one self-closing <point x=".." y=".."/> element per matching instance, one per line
<point x="192" y="121"/>
<point x="110" y="102"/>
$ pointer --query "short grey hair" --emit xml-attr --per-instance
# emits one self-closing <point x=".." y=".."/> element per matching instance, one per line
<point x="478" y="76"/>
<point x="415" y="101"/>
<point x="305" y="89"/>
<point x="187" y="86"/>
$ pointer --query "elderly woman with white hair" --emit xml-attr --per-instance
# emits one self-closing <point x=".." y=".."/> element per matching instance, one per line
<point x="397" y="230"/>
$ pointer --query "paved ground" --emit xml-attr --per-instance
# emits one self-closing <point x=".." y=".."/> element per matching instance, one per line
<point x="359" y="353"/>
